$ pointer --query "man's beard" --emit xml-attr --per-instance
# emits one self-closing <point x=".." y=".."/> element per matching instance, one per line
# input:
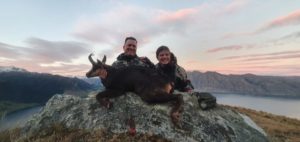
<point x="130" y="52"/>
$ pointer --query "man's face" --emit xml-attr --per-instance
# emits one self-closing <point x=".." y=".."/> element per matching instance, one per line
<point x="130" y="47"/>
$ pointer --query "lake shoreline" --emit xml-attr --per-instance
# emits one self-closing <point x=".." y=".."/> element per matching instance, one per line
<point x="257" y="95"/>
<point x="280" y="106"/>
<point x="8" y="107"/>
<point x="18" y="118"/>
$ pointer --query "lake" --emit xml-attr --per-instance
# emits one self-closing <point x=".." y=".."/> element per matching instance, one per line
<point x="280" y="106"/>
<point x="18" y="118"/>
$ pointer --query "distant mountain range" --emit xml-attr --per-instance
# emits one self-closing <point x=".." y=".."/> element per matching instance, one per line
<point x="11" y="68"/>
<point x="19" y="85"/>
<point x="249" y="84"/>
<point x="95" y="82"/>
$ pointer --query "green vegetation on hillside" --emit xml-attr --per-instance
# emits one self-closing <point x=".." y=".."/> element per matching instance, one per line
<point x="8" y="107"/>
<point x="26" y="87"/>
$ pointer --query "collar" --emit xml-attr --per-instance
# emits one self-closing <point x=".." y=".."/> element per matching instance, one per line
<point x="126" y="57"/>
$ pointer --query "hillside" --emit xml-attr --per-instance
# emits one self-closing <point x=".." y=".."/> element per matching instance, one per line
<point x="279" y="128"/>
<point x="29" y="87"/>
<point x="130" y="112"/>
<point x="246" y="84"/>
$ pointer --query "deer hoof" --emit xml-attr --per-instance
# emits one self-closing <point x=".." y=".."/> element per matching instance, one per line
<point x="132" y="131"/>
<point x="109" y="105"/>
<point x="175" y="116"/>
<point x="106" y="103"/>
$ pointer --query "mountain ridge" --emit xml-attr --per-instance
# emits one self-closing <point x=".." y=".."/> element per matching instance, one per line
<point x="32" y="87"/>
<point x="249" y="84"/>
<point x="11" y="68"/>
<point x="214" y="82"/>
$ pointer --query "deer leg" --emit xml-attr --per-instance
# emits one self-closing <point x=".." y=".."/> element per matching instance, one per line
<point x="163" y="97"/>
<point x="103" y="97"/>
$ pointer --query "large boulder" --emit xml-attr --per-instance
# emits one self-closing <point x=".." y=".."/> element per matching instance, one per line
<point x="217" y="124"/>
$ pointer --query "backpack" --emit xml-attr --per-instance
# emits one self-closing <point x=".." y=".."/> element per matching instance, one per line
<point x="206" y="100"/>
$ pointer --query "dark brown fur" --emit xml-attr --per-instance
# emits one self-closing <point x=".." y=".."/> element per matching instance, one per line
<point x="152" y="86"/>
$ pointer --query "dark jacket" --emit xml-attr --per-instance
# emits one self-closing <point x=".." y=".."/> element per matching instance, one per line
<point x="126" y="60"/>
<point x="176" y="74"/>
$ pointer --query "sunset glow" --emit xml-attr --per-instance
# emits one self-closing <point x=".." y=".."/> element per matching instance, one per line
<point x="226" y="36"/>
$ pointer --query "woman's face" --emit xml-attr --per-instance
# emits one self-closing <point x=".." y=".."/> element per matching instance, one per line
<point x="164" y="57"/>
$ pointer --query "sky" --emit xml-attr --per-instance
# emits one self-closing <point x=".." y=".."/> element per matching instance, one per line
<point x="226" y="36"/>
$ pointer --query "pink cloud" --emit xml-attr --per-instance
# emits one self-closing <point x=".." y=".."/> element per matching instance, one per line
<point x="112" y="26"/>
<point x="276" y="63"/>
<point x="191" y="62"/>
<point x="262" y="66"/>
<point x="292" y="18"/>
<point x="238" y="34"/>
<point x="273" y="69"/>
<point x="282" y="67"/>
<point x="224" y="48"/>
<point x="234" y="6"/>
<point x="64" y="69"/>
<point x="50" y="51"/>
<point x="9" y="51"/>
<point x="278" y="70"/>
<point x="179" y="15"/>
<point x="109" y="27"/>
<point x="262" y="55"/>
<point x="281" y="57"/>
<point x="287" y="39"/>
<point x="39" y="51"/>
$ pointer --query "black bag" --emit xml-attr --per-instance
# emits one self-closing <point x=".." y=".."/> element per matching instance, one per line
<point x="205" y="100"/>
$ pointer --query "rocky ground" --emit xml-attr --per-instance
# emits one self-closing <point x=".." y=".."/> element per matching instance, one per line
<point x="83" y="116"/>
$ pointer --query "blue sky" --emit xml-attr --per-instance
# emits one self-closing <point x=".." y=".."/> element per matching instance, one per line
<point x="227" y="36"/>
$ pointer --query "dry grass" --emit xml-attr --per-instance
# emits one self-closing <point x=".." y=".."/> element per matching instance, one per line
<point x="9" y="136"/>
<point x="278" y="128"/>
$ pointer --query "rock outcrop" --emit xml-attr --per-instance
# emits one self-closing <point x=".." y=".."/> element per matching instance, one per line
<point x="217" y="124"/>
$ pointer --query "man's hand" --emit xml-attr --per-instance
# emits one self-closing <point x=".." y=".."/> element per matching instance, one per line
<point x="188" y="89"/>
<point x="102" y="73"/>
<point x="146" y="61"/>
<point x="143" y="59"/>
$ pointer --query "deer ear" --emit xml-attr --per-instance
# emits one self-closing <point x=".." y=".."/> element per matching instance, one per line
<point x="104" y="59"/>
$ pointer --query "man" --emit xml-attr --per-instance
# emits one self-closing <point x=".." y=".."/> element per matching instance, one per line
<point x="129" y="57"/>
<point x="125" y="59"/>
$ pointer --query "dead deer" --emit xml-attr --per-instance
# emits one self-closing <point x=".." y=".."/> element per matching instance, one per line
<point x="152" y="86"/>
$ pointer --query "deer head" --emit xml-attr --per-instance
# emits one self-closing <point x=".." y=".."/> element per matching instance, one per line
<point x="96" y="66"/>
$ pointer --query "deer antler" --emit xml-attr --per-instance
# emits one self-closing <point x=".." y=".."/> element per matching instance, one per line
<point x="91" y="59"/>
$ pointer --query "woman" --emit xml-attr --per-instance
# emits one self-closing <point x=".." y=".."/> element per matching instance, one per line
<point x="167" y="63"/>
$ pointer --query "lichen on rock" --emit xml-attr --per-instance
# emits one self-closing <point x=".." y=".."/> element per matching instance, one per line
<point x="217" y="124"/>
